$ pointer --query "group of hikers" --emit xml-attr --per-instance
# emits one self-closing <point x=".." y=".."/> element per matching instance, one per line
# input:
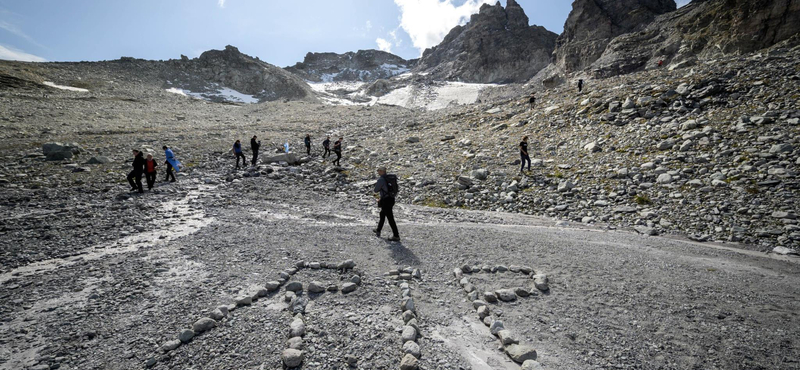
<point x="255" y="146"/>
<point x="147" y="166"/>
<point x="386" y="186"/>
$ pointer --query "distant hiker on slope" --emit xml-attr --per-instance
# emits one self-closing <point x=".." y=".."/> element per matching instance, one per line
<point x="254" y="146"/>
<point x="532" y="100"/>
<point x="327" y="146"/>
<point x="523" y="153"/>
<point x="307" y="141"/>
<point x="138" y="170"/>
<point x="150" y="171"/>
<point x="172" y="163"/>
<point x="386" y="187"/>
<point x="580" y="85"/>
<point x="337" y="149"/>
<point x="237" y="151"/>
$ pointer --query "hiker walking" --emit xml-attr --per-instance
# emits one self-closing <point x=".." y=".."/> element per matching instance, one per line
<point x="386" y="187"/>
<point x="337" y="149"/>
<point x="327" y="146"/>
<point x="307" y="141"/>
<point x="580" y="85"/>
<point x="254" y="146"/>
<point x="138" y="170"/>
<point x="237" y="151"/>
<point x="150" y="171"/>
<point x="532" y="100"/>
<point x="523" y="154"/>
<point x="172" y="163"/>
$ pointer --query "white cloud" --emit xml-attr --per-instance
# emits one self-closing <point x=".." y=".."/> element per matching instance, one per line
<point x="369" y="25"/>
<point x="384" y="45"/>
<point x="18" y="32"/>
<point x="427" y="22"/>
<point x="221" y="3"/>
<point x="8" y="53"/>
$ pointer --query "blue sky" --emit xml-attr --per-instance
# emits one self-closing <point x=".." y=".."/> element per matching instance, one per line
<point x="279" y="32"/>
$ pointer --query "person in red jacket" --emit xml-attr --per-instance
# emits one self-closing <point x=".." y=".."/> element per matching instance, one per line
<point x="150" y="171"/>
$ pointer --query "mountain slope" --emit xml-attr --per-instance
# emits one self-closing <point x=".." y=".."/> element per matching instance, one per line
<point x="702" y="29"/>
<point x="592" y="24"/>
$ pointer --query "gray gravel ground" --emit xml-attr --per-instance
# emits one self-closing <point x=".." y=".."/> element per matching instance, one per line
<point x="92" y="277"/>
<point x="616" y="300"/>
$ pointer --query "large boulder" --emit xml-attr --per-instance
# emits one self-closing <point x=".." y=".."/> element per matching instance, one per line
<point x="289" y="158"/>
<point x="55" y="151"/>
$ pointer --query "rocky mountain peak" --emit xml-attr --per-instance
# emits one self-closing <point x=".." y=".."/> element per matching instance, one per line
<point x="362" y="66"/>
<point x="229" y="68"/>
<point x="592" y="24"/>
<point x="497" y="45"/>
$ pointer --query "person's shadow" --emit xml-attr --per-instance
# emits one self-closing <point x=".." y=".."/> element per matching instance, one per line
<point x="401" y="254"/>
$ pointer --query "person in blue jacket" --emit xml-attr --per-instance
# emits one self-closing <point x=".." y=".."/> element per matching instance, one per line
<point x="172" y="163"/>
<point x="237" y="151"/>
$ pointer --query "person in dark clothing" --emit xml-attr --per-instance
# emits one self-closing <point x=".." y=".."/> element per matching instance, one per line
<point x="171" y="162"/>
<point x="523" y="153"/>
<point x="150" y="171"/>
<point x="386" y="202"/>
<point x="237" y="151"/>
<point x="580" y="85"/>
<point x="254" y="146"/>
<point x="138" y="170"/>
<point x="307" y="141"/>
<point x="337" y="149"/>
<point x="532" y="100"/>
<point x="327" y="146"/>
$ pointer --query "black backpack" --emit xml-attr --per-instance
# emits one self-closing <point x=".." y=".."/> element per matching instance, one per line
<point x="391" y="184"/>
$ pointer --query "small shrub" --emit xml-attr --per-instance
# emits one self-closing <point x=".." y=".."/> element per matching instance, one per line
<point x="642" y="200"/>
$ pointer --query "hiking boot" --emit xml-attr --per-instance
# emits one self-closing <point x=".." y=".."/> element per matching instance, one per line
<point x="377" y="233"/>
<point x="394" y="239"/>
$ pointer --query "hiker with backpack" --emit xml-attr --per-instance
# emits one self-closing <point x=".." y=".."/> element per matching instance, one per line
<point x="171" y="163"/>
<point x="386" y="186"/>
<point x="337" y="149"/>
<point x="327" y="146"/>
<point x="237" y="151"/>
<point x="307" y="141"/>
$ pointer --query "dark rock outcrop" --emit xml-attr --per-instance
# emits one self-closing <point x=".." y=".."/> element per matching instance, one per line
<point x="496" y="46"/>
<point x="592" y="24"/>
<point x="364" y="65"/>
<point x="231" y="69"/>
<point x="702" y="29"/>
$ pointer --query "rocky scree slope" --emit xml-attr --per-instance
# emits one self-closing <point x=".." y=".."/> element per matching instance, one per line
<point x="711" y="152"/>
<point x="592" y="24"/>
<point x="496" y="46"/>
<point x="232" y="69"/>
<point x="362" y="66"/>
<point x="705" y="30"/>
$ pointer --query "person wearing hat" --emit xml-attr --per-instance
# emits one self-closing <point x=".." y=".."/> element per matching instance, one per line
<point x="386" y="186"/>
